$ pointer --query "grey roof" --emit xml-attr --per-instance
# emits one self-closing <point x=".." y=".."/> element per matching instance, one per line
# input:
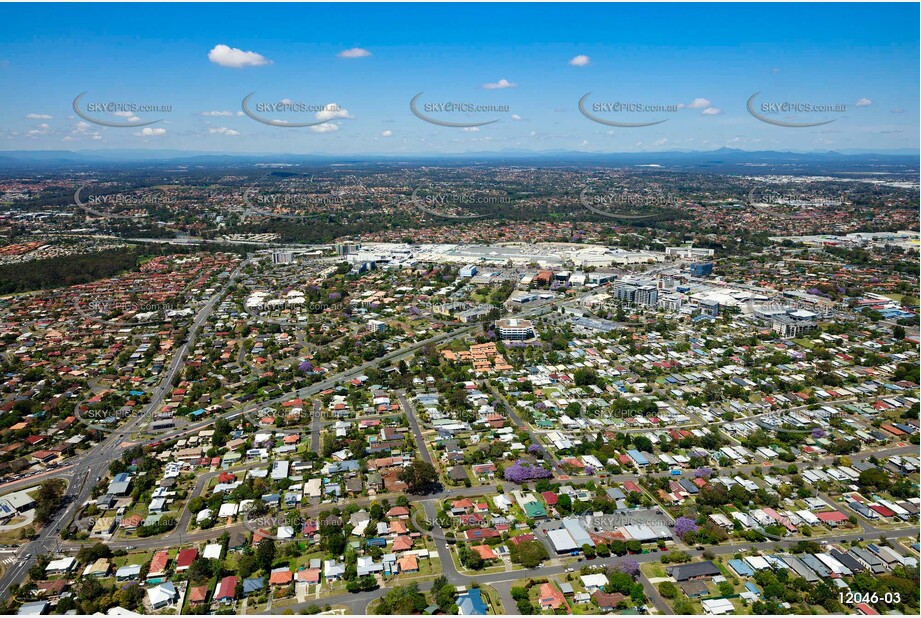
<point x="253" y="584"/>
<point x="685" y="572"/>
<point x="36" y="608"/>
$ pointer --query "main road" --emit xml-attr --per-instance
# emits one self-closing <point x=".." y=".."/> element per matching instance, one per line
<point x="82" y="474"/>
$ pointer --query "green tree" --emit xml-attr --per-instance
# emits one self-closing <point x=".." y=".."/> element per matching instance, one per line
<point x="265" y="554"/>
<point x="420" y="476"/>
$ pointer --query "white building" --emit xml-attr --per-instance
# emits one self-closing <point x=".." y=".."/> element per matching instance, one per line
<point x="515" y="330"/>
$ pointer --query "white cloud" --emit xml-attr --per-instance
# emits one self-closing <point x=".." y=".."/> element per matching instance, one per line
<point x="43" y="129"/>
<point x="471" y="129"/>
<point x="151" y="132"/>
<point x="580" y="61"/>
<point x="326" y="127"/>
<point x="516" y="117"/>
<point x="217" y="113"/>
<point x="38" y="116"/>
<point x="386" y="133"/>
<point x="660" y="142"/>
<point x="223" y="131"/>
<point x="236" y="58"/>
<point x="863" y="102"/>
<point x="897" y="110"/>
<point x="699" y="103"/>
<point x="84" y="129"/>
<point x="121" y="114"/>
<point x="354" y="52"/>
<point x="502" y="83"/>
<point x="712" y="111"/>
<point x="332" y="111"/>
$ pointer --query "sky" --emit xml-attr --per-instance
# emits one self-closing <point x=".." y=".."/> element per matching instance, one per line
<point x="350" y="72"/>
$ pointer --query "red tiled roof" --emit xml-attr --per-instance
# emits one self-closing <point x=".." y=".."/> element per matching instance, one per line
<point x="227" y="588"/>
<point x="186" y="557"/>
<point x="158" y="562"/>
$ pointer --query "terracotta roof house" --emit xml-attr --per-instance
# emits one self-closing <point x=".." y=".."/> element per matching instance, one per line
<point x="485" y="551"/>
<point x="481" y="533"/>
<point x="158" y="565"/>
<point x="310" y="576"/>
<point x="607" y="602"/>
<point x="397" y="527"/>
<point x="550" y="597"/>
<point x="408" y="564"/>
<point x="399" y="511"/>
<point x="281" y="576"/>
<point x="198" y="595"/>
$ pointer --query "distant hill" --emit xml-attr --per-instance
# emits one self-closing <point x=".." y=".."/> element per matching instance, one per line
<point x="903" y="159"/>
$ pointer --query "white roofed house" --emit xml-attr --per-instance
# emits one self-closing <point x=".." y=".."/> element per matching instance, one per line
<point x="128" y="572"/>
<point x="162" y="595"/>
<point x="333" y="570"/>
<point x="212" y="551"/>
<point x="228" y="509"/>
<point x="61" y="565"/>
<point x="808" y="517"/>
<point x="157" y="505"/>
<point x="313" y="488"/>
<point x="562" y="541"/>
<point x="367" y="566"/>
<point x="721" y="520"/>
<point x="280" y="470"/>
<point x="594" y="581"/>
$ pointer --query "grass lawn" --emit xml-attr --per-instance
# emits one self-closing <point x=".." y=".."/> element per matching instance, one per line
<point x="12" y="537"/>
<point x="138" y="558"/>
<point x="492" y="600"/>
<point x="304" y="560"/>
<point x="653" y="569"/>
<point x="905" y="299"/>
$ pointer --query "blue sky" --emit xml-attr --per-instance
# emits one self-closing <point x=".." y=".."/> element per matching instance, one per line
<point x="538" y="60"/>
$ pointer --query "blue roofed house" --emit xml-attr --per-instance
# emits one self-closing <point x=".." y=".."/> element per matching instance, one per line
<point x="741" y="568"/>
<point x="638" y="458"/>
<point x="253" y="585"/>
<point x="471" y="603"/>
